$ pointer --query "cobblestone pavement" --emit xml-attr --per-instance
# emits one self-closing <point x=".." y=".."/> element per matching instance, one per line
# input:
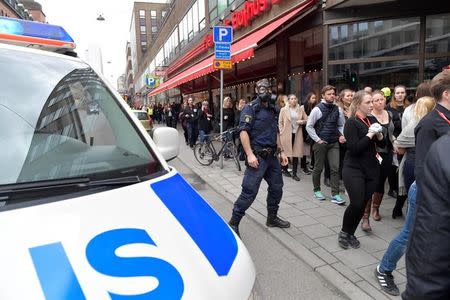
<point x="315" y="225"/>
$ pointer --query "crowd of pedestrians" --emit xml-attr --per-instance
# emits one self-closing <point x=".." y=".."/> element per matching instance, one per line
<point x="361" y="139"/>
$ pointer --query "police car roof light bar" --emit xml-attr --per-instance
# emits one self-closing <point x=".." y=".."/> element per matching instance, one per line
<point x="34" y="33"/>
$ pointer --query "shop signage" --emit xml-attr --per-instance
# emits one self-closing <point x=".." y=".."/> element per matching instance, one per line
<point x="152" y="81"/>
<point x="251" y="10"/>
<point x="222" y="64"/>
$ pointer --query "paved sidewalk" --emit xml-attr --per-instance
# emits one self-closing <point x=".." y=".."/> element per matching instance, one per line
<point x="314" y="228"/>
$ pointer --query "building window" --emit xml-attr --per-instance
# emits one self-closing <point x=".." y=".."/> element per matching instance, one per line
<point x="190" y="24"/>
<point x="153" y="14"/>
<point x="437" y="44"/>
<point x="212" y="10"/>
<point x="154" y="29"/>
<point x="374" y="39"/>
<point x="380" y="53"/>
<point x="376" y="74"/>
<point x="163" y="14"/>
<point x="201" y="14"/>
<point x="142" y="13"/>
<point x="195" y="20"/>
<point x="143" y="29"/>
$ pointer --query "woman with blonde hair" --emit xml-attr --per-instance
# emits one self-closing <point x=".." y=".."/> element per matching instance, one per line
<point x="385" y="119"/>
<point x="405" y="143"/>
<point x="361" y="164"/>
<point x="282" y="101"/>
<point x="292" y="118"/>
<point x="344" y="100"/>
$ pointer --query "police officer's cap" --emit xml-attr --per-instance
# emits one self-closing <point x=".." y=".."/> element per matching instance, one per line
<point x="263" y="83"/>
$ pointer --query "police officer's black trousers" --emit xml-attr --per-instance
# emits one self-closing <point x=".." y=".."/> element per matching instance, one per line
<point x="270" y="170"/>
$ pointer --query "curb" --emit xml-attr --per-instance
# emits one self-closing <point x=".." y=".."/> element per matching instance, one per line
<point x="325" y="271"/>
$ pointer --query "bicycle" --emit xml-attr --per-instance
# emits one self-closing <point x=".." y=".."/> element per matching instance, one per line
<point x="205" y="153"/>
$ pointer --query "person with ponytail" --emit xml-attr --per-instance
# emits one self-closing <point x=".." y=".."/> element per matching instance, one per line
<point x="361" y="164"/>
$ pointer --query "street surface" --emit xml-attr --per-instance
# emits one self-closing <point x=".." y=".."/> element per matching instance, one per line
<point x="312" y="238"/>
<point x="279" y="273"/>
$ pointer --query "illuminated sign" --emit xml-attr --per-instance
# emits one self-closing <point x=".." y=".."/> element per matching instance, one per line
<point x="251" y="10"/>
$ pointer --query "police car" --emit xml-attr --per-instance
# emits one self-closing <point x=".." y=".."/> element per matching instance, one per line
<point x="90" y="209"/>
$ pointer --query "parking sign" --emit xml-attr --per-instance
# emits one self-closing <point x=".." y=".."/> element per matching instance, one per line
<point x="223" y="34"/>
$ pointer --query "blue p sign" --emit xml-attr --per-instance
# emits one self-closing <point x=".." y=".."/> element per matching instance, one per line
<point x="223" y="34"/>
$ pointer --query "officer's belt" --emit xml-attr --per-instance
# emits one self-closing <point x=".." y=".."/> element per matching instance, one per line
<point x="265" y="152"/>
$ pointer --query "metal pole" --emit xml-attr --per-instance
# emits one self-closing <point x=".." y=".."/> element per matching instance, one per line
<point x="221" y="112"/>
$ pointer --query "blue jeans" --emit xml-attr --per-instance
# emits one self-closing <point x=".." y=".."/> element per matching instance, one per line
<point x="269" y="169"/>
<point x="202" y="136"/>
<point x="397" y="247"/>
<point x="192" y="133"/>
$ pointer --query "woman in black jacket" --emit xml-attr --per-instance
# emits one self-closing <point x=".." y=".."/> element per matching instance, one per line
<point x="228" y="114"/>
<point x="204" y="121"/>
<point x="190" y="115"/>
<point x="361" y="164"/>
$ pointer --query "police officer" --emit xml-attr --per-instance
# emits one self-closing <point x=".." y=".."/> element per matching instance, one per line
<point x="259" y="138"/>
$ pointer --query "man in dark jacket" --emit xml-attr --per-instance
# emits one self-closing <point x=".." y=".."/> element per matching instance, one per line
<point x="428" y="254"/>
<point x="428" y="251"/>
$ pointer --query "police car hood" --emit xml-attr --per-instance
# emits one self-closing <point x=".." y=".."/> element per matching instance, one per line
<point x="157" y="238"/>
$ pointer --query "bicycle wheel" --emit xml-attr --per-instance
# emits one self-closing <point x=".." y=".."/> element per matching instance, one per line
<point x="232" y="149"/>
<point x="203" y="154"/>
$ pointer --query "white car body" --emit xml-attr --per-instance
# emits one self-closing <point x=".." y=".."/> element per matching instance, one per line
<point x="156" y="238"/>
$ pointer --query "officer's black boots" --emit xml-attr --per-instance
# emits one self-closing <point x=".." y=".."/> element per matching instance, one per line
<point x="234" y="224"/>
<point x="275" y="221"/>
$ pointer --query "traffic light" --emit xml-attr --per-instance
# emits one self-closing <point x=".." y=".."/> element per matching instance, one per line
<point x="353" y="81"/>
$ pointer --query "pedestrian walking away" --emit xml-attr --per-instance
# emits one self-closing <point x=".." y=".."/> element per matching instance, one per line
<point x="261" y="143"/>
<point x="361" y="164"/>
<point x="326" y="127"/>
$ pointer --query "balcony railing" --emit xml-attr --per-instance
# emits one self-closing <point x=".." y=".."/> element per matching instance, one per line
<point x="19" y="9"/>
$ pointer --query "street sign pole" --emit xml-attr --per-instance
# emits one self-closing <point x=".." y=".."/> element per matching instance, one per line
<point x="223" y="38"/>
<point x="221" y="112"/>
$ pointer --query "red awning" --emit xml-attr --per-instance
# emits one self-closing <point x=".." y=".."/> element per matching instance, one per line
<point x="240" y="50"/>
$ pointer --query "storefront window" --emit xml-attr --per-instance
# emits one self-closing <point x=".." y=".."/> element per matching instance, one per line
<point x="305" y="49"/>
<point x="438" y="34"/>
<point x="374" y="39"/>
<point x="435" y="66"/>
<point x="304" y="83"/>
<point x="375" y="74"/>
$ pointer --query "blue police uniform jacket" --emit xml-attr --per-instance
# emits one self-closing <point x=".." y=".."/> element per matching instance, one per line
<point x="261" y="124"/>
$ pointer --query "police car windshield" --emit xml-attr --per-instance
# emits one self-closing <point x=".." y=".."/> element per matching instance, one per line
<point x="59" y="120"/>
